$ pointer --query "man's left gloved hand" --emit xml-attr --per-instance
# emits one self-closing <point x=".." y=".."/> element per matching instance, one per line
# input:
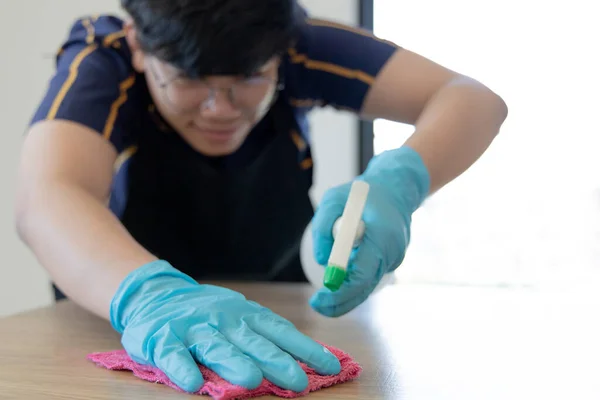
<point x="399" y="183"/>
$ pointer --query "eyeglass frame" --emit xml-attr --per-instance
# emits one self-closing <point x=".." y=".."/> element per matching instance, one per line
<point x="210" y="100"/>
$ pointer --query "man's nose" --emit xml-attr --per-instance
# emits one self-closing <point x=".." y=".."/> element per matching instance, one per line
<point x="219" y="103"/>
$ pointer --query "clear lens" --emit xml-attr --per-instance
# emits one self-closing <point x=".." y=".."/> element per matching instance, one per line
<point x="247" y="94"/>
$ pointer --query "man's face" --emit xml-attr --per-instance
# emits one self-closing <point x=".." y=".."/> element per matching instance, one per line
<point x="216" y="114"/>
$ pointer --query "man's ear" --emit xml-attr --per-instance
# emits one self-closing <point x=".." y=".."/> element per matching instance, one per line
<point x="137" y="55"/>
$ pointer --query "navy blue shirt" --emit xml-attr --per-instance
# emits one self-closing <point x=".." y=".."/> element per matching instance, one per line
<point x="96" y="85"/>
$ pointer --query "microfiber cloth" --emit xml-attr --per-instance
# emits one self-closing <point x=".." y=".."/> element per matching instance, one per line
<point x="220" y="389"/>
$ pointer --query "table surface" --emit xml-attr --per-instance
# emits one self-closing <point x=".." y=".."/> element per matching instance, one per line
<point x="414" y="342"/>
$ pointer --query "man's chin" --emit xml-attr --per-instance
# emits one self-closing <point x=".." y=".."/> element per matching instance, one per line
<point x="215" y="144"/>
<point x="217" y="149"/>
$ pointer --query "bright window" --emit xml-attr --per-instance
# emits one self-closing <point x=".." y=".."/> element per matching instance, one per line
<point x="528" y="212"/>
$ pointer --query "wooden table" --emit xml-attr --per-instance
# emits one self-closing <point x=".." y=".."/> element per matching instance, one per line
<point x="414" y="342"/>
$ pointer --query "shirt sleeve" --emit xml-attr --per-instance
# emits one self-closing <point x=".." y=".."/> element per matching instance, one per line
<point x="334" y="65"/>
<point x="92" y="86"/>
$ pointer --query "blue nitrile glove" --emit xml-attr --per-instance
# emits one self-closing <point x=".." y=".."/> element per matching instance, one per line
<point x="399" y="183"/>
<point x="169" y="321"/>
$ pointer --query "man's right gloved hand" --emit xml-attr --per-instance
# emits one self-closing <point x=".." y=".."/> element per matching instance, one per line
<point x="169" y="321"/>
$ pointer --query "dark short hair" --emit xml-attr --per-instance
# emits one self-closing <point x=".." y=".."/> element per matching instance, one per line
<point x="215" y="37"/>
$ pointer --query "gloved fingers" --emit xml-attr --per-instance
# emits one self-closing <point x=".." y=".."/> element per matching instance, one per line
<point x="284" y="334"/>
<point x="173" y="358"/>
<point x="363" y="275"/>
<point x="214" y="351"/>
<point x="320" y="303"/>
<point x="329" y="210"/>
<point x="276" y="365"/>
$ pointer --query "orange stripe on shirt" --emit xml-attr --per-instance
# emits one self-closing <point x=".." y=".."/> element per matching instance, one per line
<point x="91" y="31"/>
<point x="305" y="103"/>
<point x="298" y="141"/>
<point x="123" y="157"/>
<point x="329" y="67"/>
<point x="306" y="163"/>
<point x="116" y="105"/>
<point x="109" y="39"/>
<point x="73" y="72"/>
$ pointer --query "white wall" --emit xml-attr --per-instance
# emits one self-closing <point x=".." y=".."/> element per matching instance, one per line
<point x="30" y="33"/>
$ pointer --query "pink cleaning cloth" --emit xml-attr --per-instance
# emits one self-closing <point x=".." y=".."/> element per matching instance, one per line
<point x="220" y="389"/>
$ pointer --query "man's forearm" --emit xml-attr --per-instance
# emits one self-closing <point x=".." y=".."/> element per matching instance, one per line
<point x="455" y="129"/>
<point x="82" y="245"/>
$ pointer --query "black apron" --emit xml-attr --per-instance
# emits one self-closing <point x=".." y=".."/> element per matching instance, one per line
<point x="221" y="223"/>
<point x="216" y="223"/>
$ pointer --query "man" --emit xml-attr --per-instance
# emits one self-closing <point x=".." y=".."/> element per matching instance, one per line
<point x="173" y="148"/>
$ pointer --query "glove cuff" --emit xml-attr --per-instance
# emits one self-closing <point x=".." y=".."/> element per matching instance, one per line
<point x="403" y="172"/>
<point x="146" y="283"/>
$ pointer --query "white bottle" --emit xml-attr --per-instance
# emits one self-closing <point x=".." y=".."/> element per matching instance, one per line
<point x="314" y="272"/>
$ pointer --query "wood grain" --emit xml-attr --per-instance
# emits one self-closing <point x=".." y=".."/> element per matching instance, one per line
<point x="42" y="353"/>
<point x="413" y="343"/>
